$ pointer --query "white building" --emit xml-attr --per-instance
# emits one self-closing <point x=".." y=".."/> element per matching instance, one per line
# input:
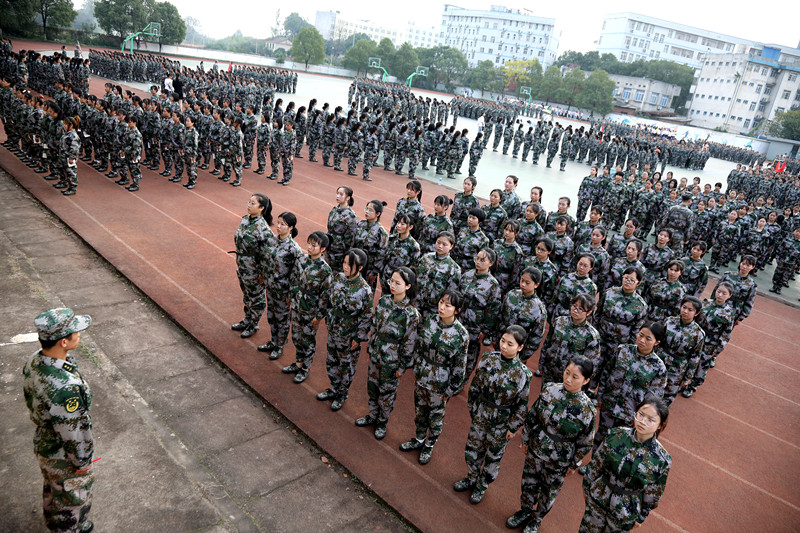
<point x="644" y="95"/>
<point x="736" y="92"/>
<point x="631" y="36"/>
<point x="332" y="25"/>
<point x="499" y="34"/>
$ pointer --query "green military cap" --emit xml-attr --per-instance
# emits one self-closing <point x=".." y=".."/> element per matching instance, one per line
<point x="55" y="324"/>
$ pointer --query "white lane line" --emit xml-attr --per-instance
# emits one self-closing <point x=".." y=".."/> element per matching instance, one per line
<point x="784" y="441"/>
<point x="760" y="388"/>
<point x="756" y="354"/>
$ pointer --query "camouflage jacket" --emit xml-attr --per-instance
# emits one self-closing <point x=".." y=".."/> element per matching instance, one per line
<point x="399" y="252"/>
<point x="372" y="238"/>
<point x="616" y="245"/>
<point x="132" y="145"/>
<point x="680" y="219"/>
<point x="717" y="321"/>
<point x="311" y="279"/>
<point x="349" y="308"/>
<point x="393" y="334"/>
<point x="621" y="317"/>
<point x="281" y="261"/>
<point x="682" y="346"/>
<point x="441" y="358"/>
<point x="70" y="145"/>
<point x="528" y="233"/>
<point x="563" y="252"/>
<point x="570" y="286"/>
<point x="431" y="227"/>
<point x="190" y="142"/>
<point x="664" y="299"/>
<point x="507" y="267"/>
<point x="415" y="212"/>
<point x="583" y="232"/>
<point x="511" y="204"/>
<point x="435" y="275"/>
<point x="467" y="246"/>
<point x="570" y="339"/>
<point x="482" y="301"/>
<point x="602" y="262"/>
<point x="627" y="378"/>
<point x="528" y="312"/>
<point x="263" y="134"/>
<point x="559" y="428"/>
<point x="58" y="401"/>
<point x="626" y="477"/>
<point x="618" y="266"/>
<point x="253" y="240"/>
<point x="655" y="259"/>
<point x="342" y="223"/>
<point x="492" y="225"/>
<point x="498" y="394"/>
<point x="461" y="206"/>
<point x="695" y="276"/>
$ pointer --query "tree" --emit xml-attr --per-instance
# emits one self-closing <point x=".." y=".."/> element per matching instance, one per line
<point x="482" y="76"/>
<point x="338" y="47"/>
<point x="17" y="15"/>
<point x="446" y="64"/>
<point x="276" y="29"/>
<point x="404" y="62"/>
<point x="571" y="87"/>
<point x="786" y="125"/>
<point x="194" y="33"/>
<point x="123" y="17"/>
<point x="308" y="46"/>
<point x="55" y="12"/>
<point x="386" y="52"/>
<point x="173" y="29"/>
<point x="550" y="84"/>
<point x="357" y="56"/>
<point x="597" y="94"/>
<point x="280" y="56"/>
<point x="293" y="24"/>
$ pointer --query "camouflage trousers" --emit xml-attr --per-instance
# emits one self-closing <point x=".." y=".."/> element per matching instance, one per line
<point x="526" y="149"/>
<point x="231" y="165"/>
<point x="550" y="157"/>
<point x="327" y="150"/>
<point x="515" y="149"/>
<point x="352" y="162"/>
<point x="70" y="177"/>
<point x="506" y="144"/>
<point x="429" y="408"/>
<point x="252" y="291"/>
<point x="676" y="374"/>
<point x="178" y="160"/>
<point x="473" y="165"/>
<point x="496" y="143"/>
<point x="541" y="482"/>
<point x="261" y="157"/>
<point x="536" y="154"/>
<point x="783" y="271"/>
<point x="66" y="498"/>
<point x="382" y="382"/>
<point x="313" y="146"/>
<point x="338" y="155"/>
<point x="473" y="352"/>
<point x="583" y="208"/>
<point x="249" y="144"/>
<point x="400" y="160"/>
<point x="166" y="155"/>
<point x="597" y="520"/>
<point x="288" y="166"/>
<point x="191" y="168"/>
<point x="388" y="157"/>
<point x="413" y="161"/>
<point x="301" y="139"/>
<point x="205" y="152"/>
<point x="369" y="160"/>
<point x="136" y="172"/>
<point x="278" y="316"/>
<point x="486" y="444"/>
<point x="217" y="150"/>
<point x="274" y="162"/>
<point x="591" y="156"/>
<point x="341" y="362"/>
<point x="427" y="153"/>
<point x="304" y="338"/>
<point x="710" y="353"/>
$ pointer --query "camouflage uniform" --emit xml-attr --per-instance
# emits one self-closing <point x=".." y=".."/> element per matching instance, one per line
<point x="310" y="281"/>
<point x="391" y="349"/>
<point x="602" y="262"/>
<point x="664" y="299"/>
<point x="507" y="267"/>
<point x="460" y="211"/>
<point x="439" y="368"/>
<point x="695" y="276"/>
<point x="509" y="201"/>
<point x="415" y="212"/>
<point x="498" y="402"/>
<point x="570" y="286"/>
<point x="475" y="154"/>
<point x="558" y="431"/>
<point x="680" y="219"/>
<point x="372" y="238"/>
<point x="563" y="252"/>
<point x="624" y="482"/>
<point x="399" y="252"/>
<point x="263" y="137"/>
<point x="190" y="153"/>
<point x="529" y="232"/>
<point x="70" y="146"/>
<point x="726" y="242"/>
<point x="431" y="228"/>
<point x="547" y="288"/>
<point x="626" y="380"/>
<point x="435" y="275"/>
<point x="288" y="142"/>
<point x="371" y="149"/>
<point x="655" y="260"/>
<point x="342" y="223"/>
<point x="467" y="246"/>
<point x="493" y="224"/>
<point x="618" y="266"/>
<point x="253" y="240"/>
<point x="564" y="340"/>
<point x="281" y="260"/>
<point x="717" y="322"/>
<point x="132" y="146"/>
<point x="682" y="348"/>
<point x="528" y="312"/>
<point x="586" y="191"/>
<point x="618" y="321"/>
<point x="744" y="292"/>
<point x="275" y="153"/>
<point x="482" y="301"/>
<point x="349" y="314"/>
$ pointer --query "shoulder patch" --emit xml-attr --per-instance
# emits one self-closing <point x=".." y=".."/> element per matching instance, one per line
<point x="71" y="404"/>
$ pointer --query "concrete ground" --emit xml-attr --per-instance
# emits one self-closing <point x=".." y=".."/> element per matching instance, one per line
<point x="185" y="446"/>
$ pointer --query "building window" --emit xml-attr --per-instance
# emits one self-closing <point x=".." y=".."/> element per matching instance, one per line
<point x="623" y="56"/>
<point x="752" y="106"/>
<point x="767" y="90"/>
<point x="758" y="89"/>
<point x="786" y="94"/>
<point x="705" y="113"/>
<point x="779" y="110"/>
<point x="792" y="77"/>
<point x="654" y="98"/>
<point x="626" y="93"/>
<point x="762" y="107"/>
<point x="639" y="95"/>
<point x="747" y="123"/>
<point x="664" y="100"/>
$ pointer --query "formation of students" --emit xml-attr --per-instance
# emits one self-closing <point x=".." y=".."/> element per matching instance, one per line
<point x="477" y="294"/>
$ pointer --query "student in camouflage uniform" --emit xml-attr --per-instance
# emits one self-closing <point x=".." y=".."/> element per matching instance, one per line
<point x="288" y="143"/>
<point x="726" y="242"/>
<point x="574" y="283"/>
<point x="482" y="302"/>
<point x="680" y="219"/>
<point x="371" y="237"/>
<point x="310" y="280"/>
<point x="462" y="203"/>
<point x="524" y="308"/>
<point x="371" y="149"/>
<point x="695" y="275"/>
<point x="564" y="249"/>
<point x="596" y="247"/>
<point x="586" y="192"/>
<point x="435" y="223"/>
<point x="541" y="261"/>
<point x="509" y="257"/>
<point x="476" y="153"/>
<point x="583" y="230"/>
<point x="519" y="135"/>
<point x="664" y="296"/>
<point x="509" y="199"/>
<point x="253" y="241"/>
<point x="132" y="153"/>
<point x="508" y="136"/>
<point x="70" y="147"/>
<point x="393" y="336"/>
<point x="632" y="372"/>
<point x="439" y="368"/>
<point x="682" y="347"/>
<point x="614" y="201"/>
<point x="529" y="230"/>
<point x="618" y="242"/>
<point x="411" y="206"/>
<point x="716" y="319"/>
<point x="656" y="256"/>
<point x="633" y="251"/>
<point x="558" y="432"/>
<point x="58" y="400"/>
<point x="348" y="315"/>
<point x="628" y="472"/>
<point x="401" y="250"/>
<point x="189" y="153"/>
<point x="281" y="261"/>
<point x="437" y="273"/>
<point x="744" y="288"/>
<point x="263" y="139"/>
<point x="340" y="142"/>
<point x="568" y="336"/>
<point x="342" y="223"/>
<point x="355" y="147"/>
<point x="498" y="402"/>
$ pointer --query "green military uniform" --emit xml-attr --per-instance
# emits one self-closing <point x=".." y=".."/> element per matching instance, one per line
<point x="482" y="301"/>
<point x="565" y="340"/>
<point x="664" y="299"/>
<point x="281" y="261"/>
<point x="435" y="275"/>
<point x="253" y="240"/>
<point x="310" y="281"/>
<point x="342" y="224"/>
<point x="528" y="312"/>
<point x="682" y="348"/>
<point x="717" y="322"/>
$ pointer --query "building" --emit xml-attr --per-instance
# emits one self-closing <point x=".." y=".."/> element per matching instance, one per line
<point x="631" y="37"/>
<point x="499" y="34"/>
<point x="332" y="25"/>
<point x="643" y="95"/>
<point x="278" y="43"/>
<point x="736" y="92"/>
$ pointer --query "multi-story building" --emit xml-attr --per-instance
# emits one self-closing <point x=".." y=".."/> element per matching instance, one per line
<point x="499" y="34"/>
<point x="736" y="92"/>
<point x="631" y="37"/>
<point x="643" y="95"/>
<point x="334" y="26"/>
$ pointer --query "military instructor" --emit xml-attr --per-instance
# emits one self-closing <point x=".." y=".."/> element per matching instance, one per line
<point x="58" y="399"/>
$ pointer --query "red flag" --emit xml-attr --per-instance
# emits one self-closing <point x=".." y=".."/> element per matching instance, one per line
<point x="780" y="166"/>
<point x="229" y="66"/>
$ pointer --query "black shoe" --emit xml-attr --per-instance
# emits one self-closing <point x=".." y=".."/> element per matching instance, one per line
<point x="380" y="430"/>
<point x="215" y="172"/>
<point x="102" y="169"/>
<point x="69" y="192"/>
<point x="713" y="363"/>
<point x="225" y="178"/>
<point x="425" y="454"/>
<point x="189" y="185"/>
<point x="61" y="185"/>
<point x="113" y="174"/>
<point x="249" y="332"/>
<point x="298" y="156"/>
<point x="687" y="392"/>
<point x="518" y="519"/>
<point x="153" y="167"/>
<point x="203" y="167"/>
<point x="163" y="173"/>
<point x="272" y="177"/>
<point x="259" y="171"/>
<point x="325" y="395"/>
<point x="294" y="368"/>
<point x="532" y="527"/>
<point x="367" y="178"/>
<point x="463" y="485"/>
<point x="365" y="421"/>
<point x="338" y="402"/>
<point x="122" y="181"/>
<point x="412" y="445"/>
<point x="132" y="188"/>
<point x="351" y="173"/>
<point x="51" y="177"/>
<point x="86" y="527"/>
<point x="313" y="159"/>
<point x="268" y="347"/>
<point x="284" y="182"/>
<point x="338" y="169"/>
<point x="775" y="289"/>
<point x="236" y="183"/>
<point x="277" y="352"/>
<point x="175" y="179"/>
<point x="583" y="469"/>
<point x="477" y="496"/>
<point x="239" y="326"/>
<point x="537" y="373"/>
<point x="301" y="376"/>
<point x="326" y="165"/>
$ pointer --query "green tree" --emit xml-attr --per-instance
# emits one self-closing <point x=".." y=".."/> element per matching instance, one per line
<point x="550" y="85"/>
<point x="57" y="13"/>
<point x="404" y="62"/>
<point x="571" y="87"/>
<point x="17" y="15"/>
<point x="123" y="17"/>
<point x="786" y="125"/>
<point x="173" y="29"/>
<point x="357" y="56"/>
<point x="446" y="64"/>
<point x="280" y="56"/>
<point x="308" y="47"/>
<point x="597" y="93"/>
<point x="293" y="24"/>
<point x="338" y="47"/>
<point x="517" y="73"/>
<point x="386" y="52"/>
<point x="483" y="76"/>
